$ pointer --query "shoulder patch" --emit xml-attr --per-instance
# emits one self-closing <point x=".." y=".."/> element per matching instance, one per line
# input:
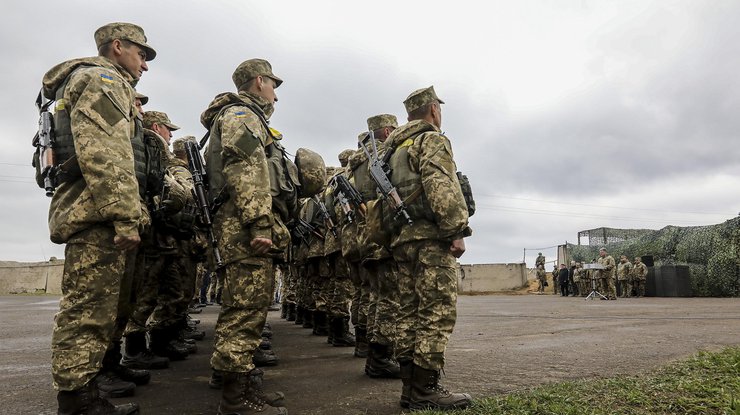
<point x="106" y="78"/>
<point x="240" y="114"/>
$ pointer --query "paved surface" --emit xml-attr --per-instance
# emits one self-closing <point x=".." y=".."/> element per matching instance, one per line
<point x="500" y="344"/>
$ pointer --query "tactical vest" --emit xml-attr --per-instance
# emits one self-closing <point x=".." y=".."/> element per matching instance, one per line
<point x="140" y="159"/>
<point x="283" y="181"/>
<point x="408" y="183"/>
<point x="363" y="182"/>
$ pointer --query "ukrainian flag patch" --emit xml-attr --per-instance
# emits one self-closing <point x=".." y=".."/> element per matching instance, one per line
<point x="240" y="114"/>
<point x="106" y="78"/>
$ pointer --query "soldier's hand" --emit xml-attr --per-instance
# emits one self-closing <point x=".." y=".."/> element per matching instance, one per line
<point x="457" y="248"/>
<point x="261" y="245"/>
<point x="126" y="243"/>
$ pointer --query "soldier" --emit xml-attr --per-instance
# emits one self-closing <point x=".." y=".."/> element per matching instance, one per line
<point x="540" y="260"/>
<point x="541" y="279"/>
<point x="97" y="212"/>
<point x="423" y="172"/>
<point x="639" y="276"/>
<point x="624" y="270"/>
<point x="606" y="275"/>
<point x="379" y="268"/>
<point x="245" y="226"/>
<point x="580" y="276"/>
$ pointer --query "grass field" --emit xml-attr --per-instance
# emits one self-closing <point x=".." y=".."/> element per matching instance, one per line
<point x="707" y="383"/>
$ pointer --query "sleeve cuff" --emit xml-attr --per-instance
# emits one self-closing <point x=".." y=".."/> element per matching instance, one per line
<point x="128" y="228"/>
<point x="261" y="233"/>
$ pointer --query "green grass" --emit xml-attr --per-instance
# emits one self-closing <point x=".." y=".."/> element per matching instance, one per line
<point x="707" y="383"/>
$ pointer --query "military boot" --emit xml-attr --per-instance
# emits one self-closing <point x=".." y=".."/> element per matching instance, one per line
<point x="380" y="364"/>
<point x="240" y="397"/>
<point x="138" y="356"/>
<point x="270" y="398"/>
<point x="267" y="331"/>
<point x="300" y="313"/>
<point x="87" y="401"/>
<point x="308" y="316"/>
<point x="284" y="311"/>
<point x="427" y="393"/>
<point x="406" y="370"/>
<point x="265" y="344"/>
<point x="320" y="325"/>
<point x="112" y="363"/>
<point x="264" y="358"/>
<point x="341" y="337"/>
<point x="217" y="379"/>
<point x="291" y="312"/>
<point x="162" y="344"/>
<point x="111" y="386"/>
<point x="361" y="347"/>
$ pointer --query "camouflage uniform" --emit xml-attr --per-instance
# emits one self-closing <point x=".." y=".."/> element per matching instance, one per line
<point x="95" y="108"/>
<point x="541" y="279"/>
<point x="606" y="277"/>
<point x="624" y="268"/>
<point x="639" y="276"/>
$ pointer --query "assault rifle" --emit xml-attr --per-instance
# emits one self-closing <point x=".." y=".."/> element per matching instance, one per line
<point x="197" y="169"/>
<point x="304" y="230"/>
<point x="379" y="171"/>
<point x="349" y="198"/>
<point x="44" y="142"/>
<point x="325" y="215"/>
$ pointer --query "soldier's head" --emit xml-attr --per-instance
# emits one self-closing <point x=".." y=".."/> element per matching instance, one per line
<point x="139" y="101"/>
<point x="382" y="125"/>
<point x="178" y="147"/>
<point x="539" y="253"/>
<point x="125" y="44"/>
<point x="623" y="258"/>
<point x="424" y="104"/>
<point x="160" y="123"/>
<point x="255" y="76"/>
<point x="344" y="157"/>
<point x="638" y="260"/>
<point x="602" y="252"/>
<point x="578" y="265"/>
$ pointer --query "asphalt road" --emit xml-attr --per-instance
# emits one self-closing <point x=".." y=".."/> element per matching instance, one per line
<point x="500" y="344"/>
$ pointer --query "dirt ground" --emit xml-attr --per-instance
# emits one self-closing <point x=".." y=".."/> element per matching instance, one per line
<point x="500" y="344"/>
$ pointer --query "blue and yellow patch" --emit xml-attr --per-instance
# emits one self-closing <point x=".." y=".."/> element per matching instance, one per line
<point x="106" y="78"/>
<point x="240" y="114"/>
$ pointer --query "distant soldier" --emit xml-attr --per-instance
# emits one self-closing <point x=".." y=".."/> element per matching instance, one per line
<point x="606" y="275"/>
<point x="624" y="269"/>
<point x="639" y="276"/>
<point x="555" y="285"/>
<point x="96" y="212"/>
<point x="540" y="260"/>
<point x="541" y="279"/>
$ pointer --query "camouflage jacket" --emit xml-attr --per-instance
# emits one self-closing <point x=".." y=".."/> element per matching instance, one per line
<point x="100" y="100"/>
<point x="444" y="214"/>
<point x="623" y="271"/>
<point x="609" y="265"/>
<point x="236" y="152"/>
<point x="639" y="271"/>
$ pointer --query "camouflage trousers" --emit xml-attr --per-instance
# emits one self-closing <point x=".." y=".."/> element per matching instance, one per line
<point x="361" y="295"/>
<point x="319" y="285"/>
<point x="339" y="289"/>
<point x="607" y="287"/>
<point x="383" y="302"/>
<point x="639" y="286"/>
<point x="158" y="294"/>
<point x="84" y="325"/>
<point x="216" y="285"/>
<point x="288" y="286"/>
<point x="246" y="296"/>
<point x="584" y="287"/>
<point x="625" y="287"/>
<point x="427" y="283"/>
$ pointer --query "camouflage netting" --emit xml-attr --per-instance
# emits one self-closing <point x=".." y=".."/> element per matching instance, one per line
<point x="711" y="252"/>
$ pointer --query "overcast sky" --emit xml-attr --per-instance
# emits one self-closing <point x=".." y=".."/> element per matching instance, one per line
<point x="565" y="115"/>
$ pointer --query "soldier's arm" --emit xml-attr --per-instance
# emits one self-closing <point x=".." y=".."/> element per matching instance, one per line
<point x="441" y="186"/>
<point x="100" y="118"/>
<point x="246" y="173"/>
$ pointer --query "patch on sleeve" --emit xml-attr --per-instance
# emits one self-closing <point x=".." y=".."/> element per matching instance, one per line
<point x="107" y="110"/>
<point x="240" y="114"/>
<point x="106" y="78"/>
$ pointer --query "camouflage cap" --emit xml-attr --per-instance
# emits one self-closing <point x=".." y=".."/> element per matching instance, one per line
<point x="141" y="97"/>
<point x="363" y="136"/>
<point x="381" y="121"/>
<point x="124" y="31"/>
<point x="344" y="156"/>
<point x="421" y="97"/>
<point x="151" y="117"/>
<point x="251" y="69"/>
<point x="178" y="146"/>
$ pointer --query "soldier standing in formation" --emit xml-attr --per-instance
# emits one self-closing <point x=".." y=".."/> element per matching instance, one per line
<point x="245" y="226"/>
<point x="624" y="270"/>
<point x="96" y="212"/>
<point x="541" y="279"/>
<point x="639" y="276"/>
<point x="424" y="173"/>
